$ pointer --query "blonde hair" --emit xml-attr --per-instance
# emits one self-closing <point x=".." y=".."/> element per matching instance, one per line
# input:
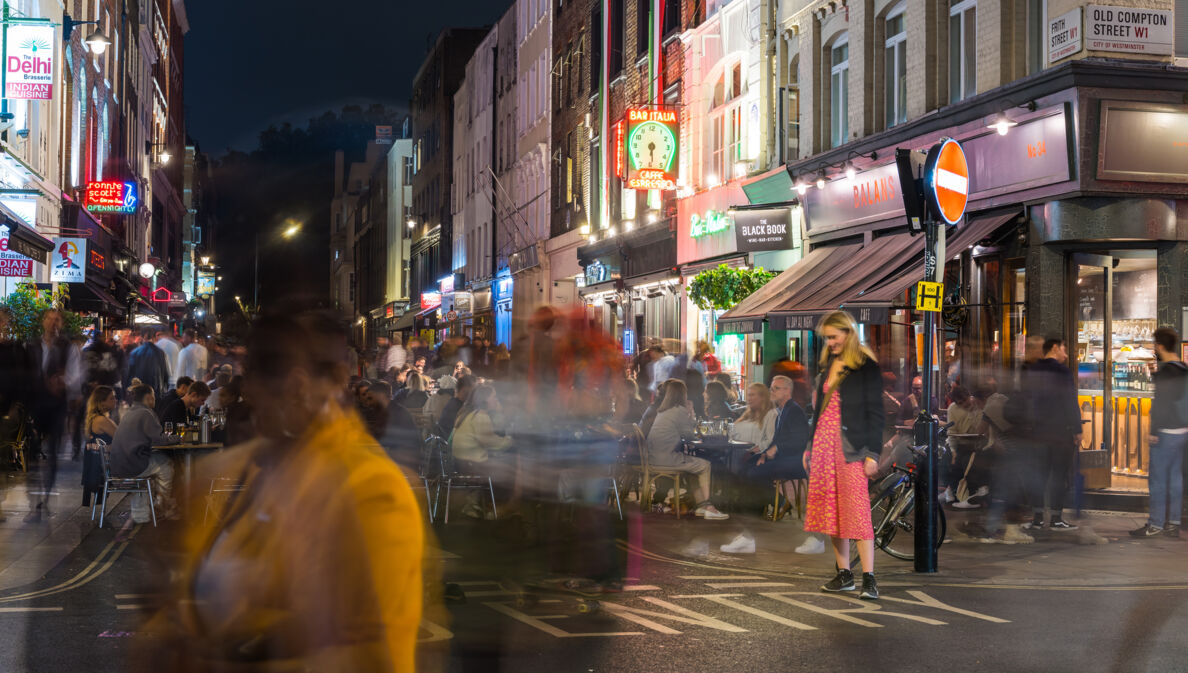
<point x="854" y="354"/>
<point x="98" y="396"/>
<point x="675" y="395"/>
<point x="763" y="394"/>
<point x="415" y="381"/>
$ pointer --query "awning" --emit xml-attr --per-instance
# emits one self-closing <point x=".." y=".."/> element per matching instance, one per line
<point x="24" y="239"/>
<point x="877" y="300"/>
<point x="89" y="297"/>
<point x="775" y="186"/>
<point x="405" y="321"/>
<point x="813" y="297"/>
<point x="747" y="317"/>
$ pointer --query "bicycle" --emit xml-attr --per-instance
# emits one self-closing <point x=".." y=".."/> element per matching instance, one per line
<point x="894" y="508"/>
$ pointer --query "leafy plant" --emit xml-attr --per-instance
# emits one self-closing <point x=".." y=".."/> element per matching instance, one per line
<point x="28" y="305"/>
<point x="723" y="287"/>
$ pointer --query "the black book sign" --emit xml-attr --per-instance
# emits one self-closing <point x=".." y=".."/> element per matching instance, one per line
<point x="760" y="230"/>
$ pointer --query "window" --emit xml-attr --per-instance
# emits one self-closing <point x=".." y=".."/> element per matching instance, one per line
<point x="839" y="85"/>
<point x="596" y="48"/>
<point x="1036" y="18"/>
<point x="642" y="9"/>
<point x="717" y="150"/>
<point x="791" y="103"/>
<point x="736" y="81"/>
<point x="962" y="50"/>
<point x="618" y="22"/>
<point x="895" y="69"/>
<point x="672" y="16"/>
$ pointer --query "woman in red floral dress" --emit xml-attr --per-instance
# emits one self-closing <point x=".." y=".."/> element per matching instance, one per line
<point x="847" y="438"/>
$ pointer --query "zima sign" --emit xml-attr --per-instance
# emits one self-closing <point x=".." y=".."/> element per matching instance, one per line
<point x="946" y="181"/>
<point x="69" y="258"/>
<point x="111" y="196"/>
<point x="29" y="61"/>
<point x="12" y="264"/>
<point x="712" y="223"/>
<point x="651" y="149"/>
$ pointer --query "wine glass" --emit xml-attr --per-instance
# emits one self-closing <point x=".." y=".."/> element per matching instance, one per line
<point x="168" y="429"/>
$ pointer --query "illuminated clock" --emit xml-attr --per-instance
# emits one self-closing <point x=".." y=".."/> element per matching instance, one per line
<point x="652" y="145"/>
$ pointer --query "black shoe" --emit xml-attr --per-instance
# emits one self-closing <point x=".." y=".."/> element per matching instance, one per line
<point x="844" y="581"/>
<point x="1146" y="531"/>
<point x="1061" y="524"/>
<point x="1172" y="530"/>
<point x="870" y="588"/>
<point x="1036" y="524"/>
<point x="453" y="593"/>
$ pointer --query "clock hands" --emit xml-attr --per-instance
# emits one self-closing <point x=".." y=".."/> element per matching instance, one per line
<point x="652" y="147"/>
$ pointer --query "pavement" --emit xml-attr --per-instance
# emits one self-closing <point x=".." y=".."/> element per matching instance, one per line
<point x="1089" y="600"/>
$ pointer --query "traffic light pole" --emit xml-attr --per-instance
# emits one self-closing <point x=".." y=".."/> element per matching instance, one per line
<point x="925" y="430"/>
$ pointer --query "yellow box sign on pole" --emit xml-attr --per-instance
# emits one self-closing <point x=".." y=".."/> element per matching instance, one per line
<point x="929" y="296"/>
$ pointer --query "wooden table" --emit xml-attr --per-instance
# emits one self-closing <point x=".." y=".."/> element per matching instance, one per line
<point x="187" y="450"/>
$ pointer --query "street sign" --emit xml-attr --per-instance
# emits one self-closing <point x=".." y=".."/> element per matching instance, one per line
<point x="946" y="181"/>
<point x="451" y="316"/>
<point x="929" y="296"/>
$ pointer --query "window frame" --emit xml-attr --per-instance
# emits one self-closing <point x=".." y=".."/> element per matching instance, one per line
<point x="839" y="115"/>
<point x="959" y="87"/>
<point x="895" y="60"/>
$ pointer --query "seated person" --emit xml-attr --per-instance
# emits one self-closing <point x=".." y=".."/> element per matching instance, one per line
<point x="391" y="425"/>
<point x="478" y="449"/>
<point x="674" y="423"/>
<point x="413" y="396"/>
<point x="185" y="410"/>
<point x="784" y="457"/>
<point x="132" y="454"/>
<point x="449" y="413"/>
<point x="183" y="385"/>
<point x="649" y="415"/>
<point x="728" y="383"/>
<point x="223" y="381"/>
<point x="716" y="406"/>
<point x="757" y="424"/>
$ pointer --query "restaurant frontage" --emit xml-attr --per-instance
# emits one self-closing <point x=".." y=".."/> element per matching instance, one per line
<point x="1077" y="227"/>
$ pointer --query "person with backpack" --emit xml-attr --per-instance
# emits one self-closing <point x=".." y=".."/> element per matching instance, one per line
<point x="1169" y="436"/>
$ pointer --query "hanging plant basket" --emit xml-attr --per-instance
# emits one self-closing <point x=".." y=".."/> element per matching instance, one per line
<point x="723" y="287"/>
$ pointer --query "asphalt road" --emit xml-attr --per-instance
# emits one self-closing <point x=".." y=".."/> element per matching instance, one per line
<point x="681" y="613"/>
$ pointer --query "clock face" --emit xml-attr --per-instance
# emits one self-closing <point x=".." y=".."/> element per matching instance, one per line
<point x="652" y="146"/>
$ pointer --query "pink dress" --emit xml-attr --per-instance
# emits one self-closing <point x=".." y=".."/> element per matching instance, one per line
<point x="838" y="494"/>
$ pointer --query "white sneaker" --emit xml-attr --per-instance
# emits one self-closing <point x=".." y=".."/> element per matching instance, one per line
<point x="947" y="496"/>
<point x="981" y="492"/>
<point x="813" y="545"/>
<point x="711" y="513"/>
<point x="965" y="504"/>
<point x="742" y="544"/>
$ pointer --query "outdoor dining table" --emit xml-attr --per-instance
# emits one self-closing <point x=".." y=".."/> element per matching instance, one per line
<point x="187" y="451"/>
<point x="728" y="461"/>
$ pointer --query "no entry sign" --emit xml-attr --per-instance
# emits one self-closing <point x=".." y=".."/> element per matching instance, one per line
<point x="946" y="181"/>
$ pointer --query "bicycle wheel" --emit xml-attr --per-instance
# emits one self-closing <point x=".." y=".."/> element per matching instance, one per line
<point x="890" y="493"/>
<point x="899" y="539"/>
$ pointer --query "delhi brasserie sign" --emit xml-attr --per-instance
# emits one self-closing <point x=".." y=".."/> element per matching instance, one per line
<point x="29" y="50"/>
<point x="111" y="196"/>
<point x="651" y="147"/>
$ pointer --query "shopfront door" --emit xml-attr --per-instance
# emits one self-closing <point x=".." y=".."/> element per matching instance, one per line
<point x="1113" y="320"/>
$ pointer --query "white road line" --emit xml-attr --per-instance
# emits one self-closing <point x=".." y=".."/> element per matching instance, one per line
<point x="735" y="585"/>
<point x="133" y="607"/>
<point x="721" y="577"/>
<point x="30" y="609"/>
<point x="640" y="587"/>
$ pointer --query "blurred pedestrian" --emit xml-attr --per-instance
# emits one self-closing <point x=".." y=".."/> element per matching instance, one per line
<point x="172" y="349"/>
<point x="1169" y="437"/>
<point x="194" y="359"/>
<point x="16" y="366"/>
<point x="316" y="564"/>
<point x="57" y="388"/>
<point x="847" y="440"/>
<point x="449" y="413"/>
<point x="709" y="362"/>
<point x="1056" y="430"/>
<point x="148" y="364"/>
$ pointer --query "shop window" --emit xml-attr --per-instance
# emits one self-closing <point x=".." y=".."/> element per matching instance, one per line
<point x="839" y="84"/>
<point x="962" y="50"/>
<point x="895" y="69"/>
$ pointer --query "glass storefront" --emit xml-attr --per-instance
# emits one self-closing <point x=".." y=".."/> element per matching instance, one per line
<point x="1114" y="308"/>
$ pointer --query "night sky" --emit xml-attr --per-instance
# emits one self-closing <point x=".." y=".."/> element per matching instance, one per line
<point x="251" y="64"/>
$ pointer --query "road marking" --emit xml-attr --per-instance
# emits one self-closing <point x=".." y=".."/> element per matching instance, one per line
<point x="121" y="597"/>
<point x="30" y="609"/>
<point x="725" y="599"/>
<point x="133" y="607"/>
<point x="736" y="585"/>
<point x="640" y="587"/>
<point x="924" y="600"/>
<point x="682" y="615"/>
<point x="722" y="577"/>
<point x="860" y="607"/>
<point x="83" y="577"/>
<point x="437" y="632"/>
<point x="537" y="622"/>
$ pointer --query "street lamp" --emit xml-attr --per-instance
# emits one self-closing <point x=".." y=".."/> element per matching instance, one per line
<point x="205" y="260"/>
<point x="97" y="41"/>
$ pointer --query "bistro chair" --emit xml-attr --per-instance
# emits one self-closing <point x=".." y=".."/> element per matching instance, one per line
<point x="799" y="493"/>
<point x="119" y="485"/>
<point x="433" y="468"/>
<point x="453" y="479"/>
<point x="650" y="474"/>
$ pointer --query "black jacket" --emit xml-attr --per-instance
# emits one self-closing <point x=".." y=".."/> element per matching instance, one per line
<point x="862" y="414"/>
<point x="792" y="430"/>
<point x="1044" y="407"/>
<point x="1169" y="388"/>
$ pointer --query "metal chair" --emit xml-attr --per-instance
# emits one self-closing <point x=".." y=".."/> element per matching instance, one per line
<point x="119" y="485"/>
<point x="432" y="468"/>
<point x="221" y="490"/>
<point x="650" y="474"/>
<point x="450" y="475"/>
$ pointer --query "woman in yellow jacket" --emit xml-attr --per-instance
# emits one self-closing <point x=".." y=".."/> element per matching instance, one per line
<point x="316" y="565"/>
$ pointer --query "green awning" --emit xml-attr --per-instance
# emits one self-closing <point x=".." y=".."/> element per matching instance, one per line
<point x="773" y="187"/>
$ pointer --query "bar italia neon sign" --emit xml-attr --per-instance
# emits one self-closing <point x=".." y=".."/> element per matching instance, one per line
<point x="651" y="149"/>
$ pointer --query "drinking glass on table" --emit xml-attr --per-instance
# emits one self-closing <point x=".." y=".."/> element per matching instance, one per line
<point x="168" y="429"/>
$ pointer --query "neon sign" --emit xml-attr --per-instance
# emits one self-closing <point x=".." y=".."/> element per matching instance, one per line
<point x="111" y="196"/>
<point x="651" y="149"/>
<point x="712" y="223"/>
